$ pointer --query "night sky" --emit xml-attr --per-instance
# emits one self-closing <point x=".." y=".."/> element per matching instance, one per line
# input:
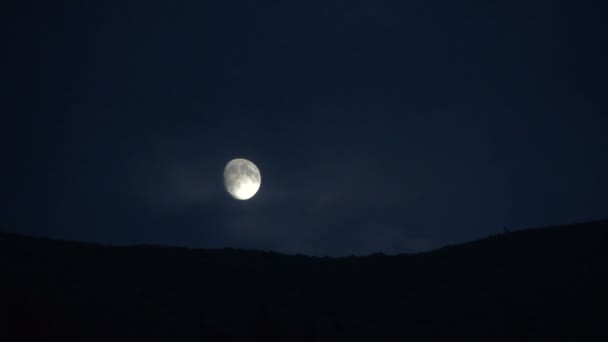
<point x="378" y="126"/>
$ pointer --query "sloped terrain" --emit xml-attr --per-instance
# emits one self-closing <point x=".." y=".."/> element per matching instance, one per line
<point x="537" y="284"/>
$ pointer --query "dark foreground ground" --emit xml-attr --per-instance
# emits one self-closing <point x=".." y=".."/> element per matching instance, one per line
<point x="548" y="284"/>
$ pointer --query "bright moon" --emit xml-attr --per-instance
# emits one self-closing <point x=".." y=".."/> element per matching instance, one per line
<point x="242" y="179"/>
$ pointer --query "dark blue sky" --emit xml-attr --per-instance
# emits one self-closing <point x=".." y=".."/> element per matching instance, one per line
<point x="391" y="126"/>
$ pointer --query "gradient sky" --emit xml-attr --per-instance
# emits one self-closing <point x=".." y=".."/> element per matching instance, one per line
<point x="378" y="126"/>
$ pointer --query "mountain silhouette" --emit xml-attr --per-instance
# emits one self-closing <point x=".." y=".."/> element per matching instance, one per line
<point x="530" y="285"/>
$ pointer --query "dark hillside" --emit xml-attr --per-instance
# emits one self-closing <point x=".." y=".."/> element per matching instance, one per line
<point x="538" y="284"/>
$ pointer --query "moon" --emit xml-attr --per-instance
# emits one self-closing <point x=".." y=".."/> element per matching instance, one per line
<point x="242" y="179"/>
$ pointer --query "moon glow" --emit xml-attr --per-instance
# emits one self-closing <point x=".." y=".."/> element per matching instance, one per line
<point x="242" y="179"/>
